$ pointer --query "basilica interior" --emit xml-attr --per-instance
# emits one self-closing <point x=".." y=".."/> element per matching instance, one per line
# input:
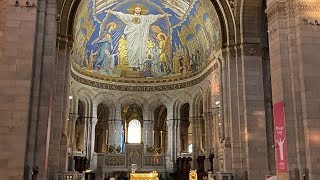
<point x="160" y="89"/>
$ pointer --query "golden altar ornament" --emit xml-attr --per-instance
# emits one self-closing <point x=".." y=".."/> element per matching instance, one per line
<point x="144" y="176"/>
<point x="193" y="175"/>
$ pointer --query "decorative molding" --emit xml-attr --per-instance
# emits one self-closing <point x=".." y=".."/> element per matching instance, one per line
<point x="142" y="88"/>
<point x="284" y="10"/>
<point x="311" y="22"/>
<point x="308" y="8"/>
<point x="233" y="5"/>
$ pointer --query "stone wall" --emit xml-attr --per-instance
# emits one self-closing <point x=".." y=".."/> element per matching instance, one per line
<point x="17" y="29"/>
<point x="294" y="53"/>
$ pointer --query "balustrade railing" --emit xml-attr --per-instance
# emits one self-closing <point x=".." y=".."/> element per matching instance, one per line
<point x="153" y="161"/>
<point x="115" y="160"/>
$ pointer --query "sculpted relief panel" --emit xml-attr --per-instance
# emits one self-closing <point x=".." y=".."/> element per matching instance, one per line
<point x="144" y="38"/>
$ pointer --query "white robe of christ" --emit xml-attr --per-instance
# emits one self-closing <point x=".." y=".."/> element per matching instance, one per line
<point x="137" y="35"/>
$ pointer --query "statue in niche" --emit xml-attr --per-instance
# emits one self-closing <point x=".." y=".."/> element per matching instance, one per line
<point x="137" y="33"/>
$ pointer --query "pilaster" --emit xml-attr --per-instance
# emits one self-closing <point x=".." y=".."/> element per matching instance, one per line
<point x="294" y="69"/>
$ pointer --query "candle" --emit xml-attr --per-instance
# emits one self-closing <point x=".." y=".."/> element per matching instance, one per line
<point x="146" y="137"/>
<point x="160" y="138"/>
<point x="106" y="136"/>
<point x="152" y="138"/>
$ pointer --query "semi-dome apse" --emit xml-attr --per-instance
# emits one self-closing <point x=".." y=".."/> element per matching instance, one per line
<point x="144" y="38"/>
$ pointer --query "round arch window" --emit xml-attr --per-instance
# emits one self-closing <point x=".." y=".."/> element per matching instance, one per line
<point x="134" y="131"/>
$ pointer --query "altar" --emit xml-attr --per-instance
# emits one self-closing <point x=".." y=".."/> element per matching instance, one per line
<point x="144" y="176"/>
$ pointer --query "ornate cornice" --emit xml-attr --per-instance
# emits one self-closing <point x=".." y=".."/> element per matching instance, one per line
<point x="276" y="9"/>
<point x="141" y="88"/>
<point x="308" y="8"/>
<point x="283" y="9"/>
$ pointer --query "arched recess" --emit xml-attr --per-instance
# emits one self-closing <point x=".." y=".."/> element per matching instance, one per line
<point x="84" y="110"/>
<point x="102" y="129"/>
<point x="128" y="99"/>
<point x="79" y="132"/>
<point x="185" y="129"/>
<point x="198" y="128"/>
<point x="131" y="111"/>
<point x="87" y="96"/>
<point x="109" y="100"/>
<point x="160" y="130"/>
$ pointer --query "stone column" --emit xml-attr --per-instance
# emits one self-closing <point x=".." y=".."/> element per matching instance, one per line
<point x="208" y="136"/>
<point x="42" y="85"/>
<point x="72" y="120"/>
<point x="178" y="137"/>
<point x="86" y="139"/>
<point x="170" y="136"/>
<point x="148" y="127"/>
<point x="195" y="147"/>
<point x="118" y="132"/>
<point x="294" y="54"/>
<point x="93" y="123"/>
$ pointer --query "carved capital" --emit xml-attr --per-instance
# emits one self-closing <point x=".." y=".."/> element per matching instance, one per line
<point x="73" y="117"/>
<point x="207" y="116"/>
<point x="251" y="50"/>
<point x="64" y="43"/>
<point x="232" y="52"/>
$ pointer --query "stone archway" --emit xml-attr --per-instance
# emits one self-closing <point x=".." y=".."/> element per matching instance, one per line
<point x="238" y="60"/>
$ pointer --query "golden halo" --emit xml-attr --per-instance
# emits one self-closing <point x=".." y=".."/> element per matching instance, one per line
<point x="160" y="34"/>
<point x="144" y="9"/>
<point x="111" y="24"/>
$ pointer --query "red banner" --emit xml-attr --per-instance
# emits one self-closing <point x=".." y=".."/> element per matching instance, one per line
<point x="280" y="137"/>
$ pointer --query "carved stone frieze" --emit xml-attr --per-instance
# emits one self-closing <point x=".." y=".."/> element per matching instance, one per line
<point x="149" y="88"/>
<point x="284" y="10"/>
<point x="308" y="8"/>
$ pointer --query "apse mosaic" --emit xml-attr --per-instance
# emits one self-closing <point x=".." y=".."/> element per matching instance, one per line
<point x="145" y="38"/>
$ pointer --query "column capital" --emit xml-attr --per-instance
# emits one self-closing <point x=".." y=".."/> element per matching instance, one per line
<point x="207" y="116"/>
<point x="73" y="116"/>
<point x="94" y="120"/>
<point x="251" y="49"/>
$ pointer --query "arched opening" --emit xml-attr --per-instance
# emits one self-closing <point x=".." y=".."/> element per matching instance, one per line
<point x="134" y="131"/>
<point x="160" y="129"/>
<point x="185" y="133"/>
<point x="80" y="128"/>
<point x="202" y="127"/>
<point x="133" y="119"/>
<point x="102" y="129"/>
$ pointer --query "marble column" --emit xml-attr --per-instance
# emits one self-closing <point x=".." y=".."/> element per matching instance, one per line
<point x="170" y="139"/>
<point x="93" y="123"/>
